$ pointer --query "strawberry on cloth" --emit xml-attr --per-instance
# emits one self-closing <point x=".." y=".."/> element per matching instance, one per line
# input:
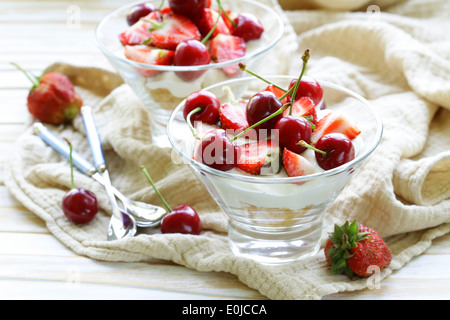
<point x="356" y="249"/>
<point x="52" y="99"/>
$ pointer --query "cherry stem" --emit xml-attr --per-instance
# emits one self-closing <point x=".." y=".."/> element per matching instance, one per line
<point x="147" y="175"/>
<point x="243" y="67"/>
<point x="161" y="5"/>
<point x="225" y="13"/>
<point x="72" y="180"/>
<point x="188" y="120"/>
<point x="276" y="113"/>
<point x="212" y="29"/>
<point x="306" y="145"/>
<point x="305" y="59"/>
<point x="32" y="78"/>
<point x="231" y="96"/>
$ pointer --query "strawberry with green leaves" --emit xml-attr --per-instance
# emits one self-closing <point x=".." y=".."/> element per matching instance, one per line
<point x="52" y="99"/>
<point x="355" y="249"/>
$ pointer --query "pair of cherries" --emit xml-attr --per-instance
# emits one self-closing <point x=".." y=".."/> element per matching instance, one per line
<point x="265" y="111"/>
<point x="81" y="206"/>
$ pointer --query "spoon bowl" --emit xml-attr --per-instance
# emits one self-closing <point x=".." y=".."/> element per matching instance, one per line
<point x="145" y="214"/>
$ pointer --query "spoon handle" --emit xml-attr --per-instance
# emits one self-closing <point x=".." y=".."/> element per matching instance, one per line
<point x="63" y="149"/>
<point x="93" y="138"/>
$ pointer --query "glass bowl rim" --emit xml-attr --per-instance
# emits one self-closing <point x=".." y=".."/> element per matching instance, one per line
<point x="280" y="180"/>
<point x="258" y="52"/>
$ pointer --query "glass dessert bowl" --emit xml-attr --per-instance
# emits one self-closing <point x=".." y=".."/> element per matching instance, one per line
<point x="162" y="86"/>
<point x="275" y="218"/>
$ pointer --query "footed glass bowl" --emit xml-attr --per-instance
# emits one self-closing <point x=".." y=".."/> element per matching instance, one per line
<point x="160" y="88"/>
<point x="278" y="219"/>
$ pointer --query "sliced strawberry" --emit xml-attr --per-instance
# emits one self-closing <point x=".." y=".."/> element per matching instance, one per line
<point x="303" y="107"/>
<point x="207" y="21"/>
<point x="166" y="10"/>
<point x="259" y="157"/>
<point x="227" y="21"/>
<point x="139" y="32"/>
<point x="173" y="30"/>
<point x="148" y="55"/>
<point x="225" y="47"/>
<point x="233" y="116"/>
<point x="277" y="92"/>
<point x="296" y="165"/>
<point x="334" y="121"/>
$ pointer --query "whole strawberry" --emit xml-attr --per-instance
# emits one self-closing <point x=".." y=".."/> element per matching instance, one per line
<point x="353" y="248"/>
<point x="52" y="99"/>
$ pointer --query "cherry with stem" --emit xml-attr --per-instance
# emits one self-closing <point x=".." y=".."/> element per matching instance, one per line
<point x="305" y="59"/>
<point x="79" y="205"/>
<point x="332" y="150"/>
<point x="293" y="89"/>
<point x="180" y="219"/>
<point x="201" y="106"/>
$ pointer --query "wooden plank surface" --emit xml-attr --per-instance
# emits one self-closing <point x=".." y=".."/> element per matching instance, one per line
<point x="34" y="265"/>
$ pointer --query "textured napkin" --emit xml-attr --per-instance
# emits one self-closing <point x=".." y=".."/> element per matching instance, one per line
<point x="398" y="59"/>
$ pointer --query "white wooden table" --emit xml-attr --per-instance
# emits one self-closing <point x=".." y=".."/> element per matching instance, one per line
<point x="34" y="265"/>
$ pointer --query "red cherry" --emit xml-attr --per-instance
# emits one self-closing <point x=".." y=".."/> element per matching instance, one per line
<point x="80" y="206"/>
<point x="247" y="27"/>
<point x="209" y="104"/>
<point x="139" y="11"/>
<point x="191" y="53"/>
<point x="217" y="151"/>
<point x="182" y="219"/>
<point x="189" y="8"/>
<point x="262" y="105"/>
<point x="308" y="88"/>
<point x="290" y="130"/>
<point x="338" y="150"/>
